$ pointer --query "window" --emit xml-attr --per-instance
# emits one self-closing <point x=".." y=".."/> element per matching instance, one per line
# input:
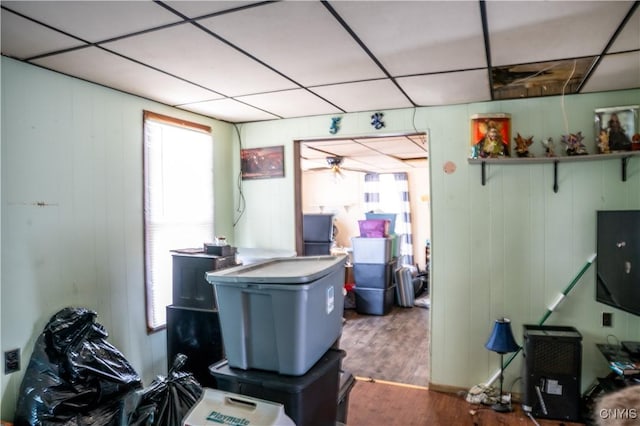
<point x="178" y="202"/>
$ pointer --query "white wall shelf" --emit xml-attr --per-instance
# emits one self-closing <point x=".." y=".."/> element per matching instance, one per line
<point x="622" y="156"/>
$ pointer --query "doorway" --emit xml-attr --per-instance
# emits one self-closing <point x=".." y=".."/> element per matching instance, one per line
<point x="330" y="179"/>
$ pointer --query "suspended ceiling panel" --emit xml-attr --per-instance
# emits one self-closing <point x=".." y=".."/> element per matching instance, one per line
<point x="417" y="37"/>
<point x="524" y="32"/>
<point x="95" y="21"/>
<point x="243" y="61"/>
<point x="324" y="52"/>
<point x="613" y="73"/>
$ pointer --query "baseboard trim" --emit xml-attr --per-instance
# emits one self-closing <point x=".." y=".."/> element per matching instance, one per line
<point x="446" y="388"/>
<point x="386" y="382"/>
<point x="515" y="396"/>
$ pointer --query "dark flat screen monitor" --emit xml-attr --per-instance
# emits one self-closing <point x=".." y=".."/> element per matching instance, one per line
<point x="618" y="260"/>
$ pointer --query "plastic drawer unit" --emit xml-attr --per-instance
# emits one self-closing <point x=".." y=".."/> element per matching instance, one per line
<point x="282" y="314"/>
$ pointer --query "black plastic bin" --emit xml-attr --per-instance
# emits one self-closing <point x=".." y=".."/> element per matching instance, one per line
<point x="195" y="333"/>
<point x="310" y="399"/>
<point x="347" y="381"/>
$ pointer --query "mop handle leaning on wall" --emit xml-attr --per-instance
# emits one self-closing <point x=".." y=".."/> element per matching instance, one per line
<point x="546" y="315"/>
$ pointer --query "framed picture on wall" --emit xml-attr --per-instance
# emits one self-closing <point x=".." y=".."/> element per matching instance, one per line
<point x="262" y="163"/>
<point x="615" y="128"/>
<point x="491" y="135"/>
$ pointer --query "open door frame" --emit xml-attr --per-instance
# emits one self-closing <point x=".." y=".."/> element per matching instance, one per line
<point x="297" y="198"/>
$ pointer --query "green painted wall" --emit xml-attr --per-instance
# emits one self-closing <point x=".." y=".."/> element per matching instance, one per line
<point x="78" y="148"/>
<point x="504" y="249"/>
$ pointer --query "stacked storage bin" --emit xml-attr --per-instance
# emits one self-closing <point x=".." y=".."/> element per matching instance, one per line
<point x="373" y="269"/>
<point x="193" y="325"/>
<point x="280" y="320"/>
<point x="317" y="234"/>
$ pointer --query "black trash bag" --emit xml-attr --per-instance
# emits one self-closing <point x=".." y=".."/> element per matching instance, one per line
<point x="170" y="398"/>
<point x="74" y="376"/>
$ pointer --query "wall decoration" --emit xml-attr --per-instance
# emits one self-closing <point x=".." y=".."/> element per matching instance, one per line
<point x="376" y="120"/>
<point x="615" y="128"/>
<point x="335" y="125"/>
<point x="522" y="146"/>
<point x="549" y="147"/>
<point x="449" y="167"/>
<point x="262" y="163"/>
<point x="574" y="145"/>
<point x="490" y="135"/>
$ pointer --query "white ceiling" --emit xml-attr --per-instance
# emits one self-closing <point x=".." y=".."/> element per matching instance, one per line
<point x="242" y="61"/>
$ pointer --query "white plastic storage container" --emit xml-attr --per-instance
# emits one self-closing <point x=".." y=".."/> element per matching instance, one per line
<point x="371" y="250"/>
<point x="217" y="407"/>
<point x="282" y="314"/>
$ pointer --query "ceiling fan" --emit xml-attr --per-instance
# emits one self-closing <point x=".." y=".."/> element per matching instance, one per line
<point x="335" y="166"/>
<point x="335" y="163"/>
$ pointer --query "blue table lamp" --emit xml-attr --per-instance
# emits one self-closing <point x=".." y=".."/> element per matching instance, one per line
<point x="502" y="342"/>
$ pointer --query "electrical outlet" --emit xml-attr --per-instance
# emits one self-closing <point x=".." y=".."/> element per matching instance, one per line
<point x="607" y="319"/>
<point x="11" y="361"/>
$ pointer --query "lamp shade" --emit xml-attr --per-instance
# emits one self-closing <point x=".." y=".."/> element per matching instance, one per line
<point x="501" y="339"/>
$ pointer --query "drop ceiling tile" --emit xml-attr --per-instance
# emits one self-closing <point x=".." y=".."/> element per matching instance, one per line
<point x="94" y="64"/>
<point x="616" y="72"/>
<point x="199" y="8"/>
<point x="401" y="147"/>
<point x="364" y="96"/>
<point x="629" y="37"/>
<point x="339" y="147"/>
<point x="229" y="110"/>
<point x="22" y="38"/>
<point x="290" y="103"/>
<point x="411" y="37"/>
<point x="447" y="88"/>
<point x="529" y="31"/>
<point x="300" y="39"/>
<point x="96" y="20"/>
<point x="194" y="55"/>
<point x="348" y="149"/>
<point x="380" y="161"/>
<point x="310" y="153"/>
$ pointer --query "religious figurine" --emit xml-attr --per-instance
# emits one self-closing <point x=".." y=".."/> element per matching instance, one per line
<point x="574" y="145"/>
<point x="549" y="150"/>
<point x="522" y="146"/>
<point x="491" y="145"/>
<point x="618" y="139"/>
<point x="603" y="142"/>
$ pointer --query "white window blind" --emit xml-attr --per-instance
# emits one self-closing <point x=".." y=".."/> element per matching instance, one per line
<point x="178" y="207"/>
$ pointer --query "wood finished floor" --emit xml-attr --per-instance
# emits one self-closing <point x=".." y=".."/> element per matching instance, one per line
<point x="373" y="404"/>
<point x="390" y="356"/>
<point x="392" y="347"/>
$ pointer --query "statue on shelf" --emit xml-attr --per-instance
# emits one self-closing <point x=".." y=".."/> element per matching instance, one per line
<point x="549" y="150"/>
<point x="618" y="139"/>
<point x="522" y="146"/>
<point x="491" y="145"/>
<point x="574" y="145"/>
<point x="603" y="142"/>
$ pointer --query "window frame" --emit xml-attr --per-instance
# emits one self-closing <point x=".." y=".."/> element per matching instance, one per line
<point x="187" y="125"/>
